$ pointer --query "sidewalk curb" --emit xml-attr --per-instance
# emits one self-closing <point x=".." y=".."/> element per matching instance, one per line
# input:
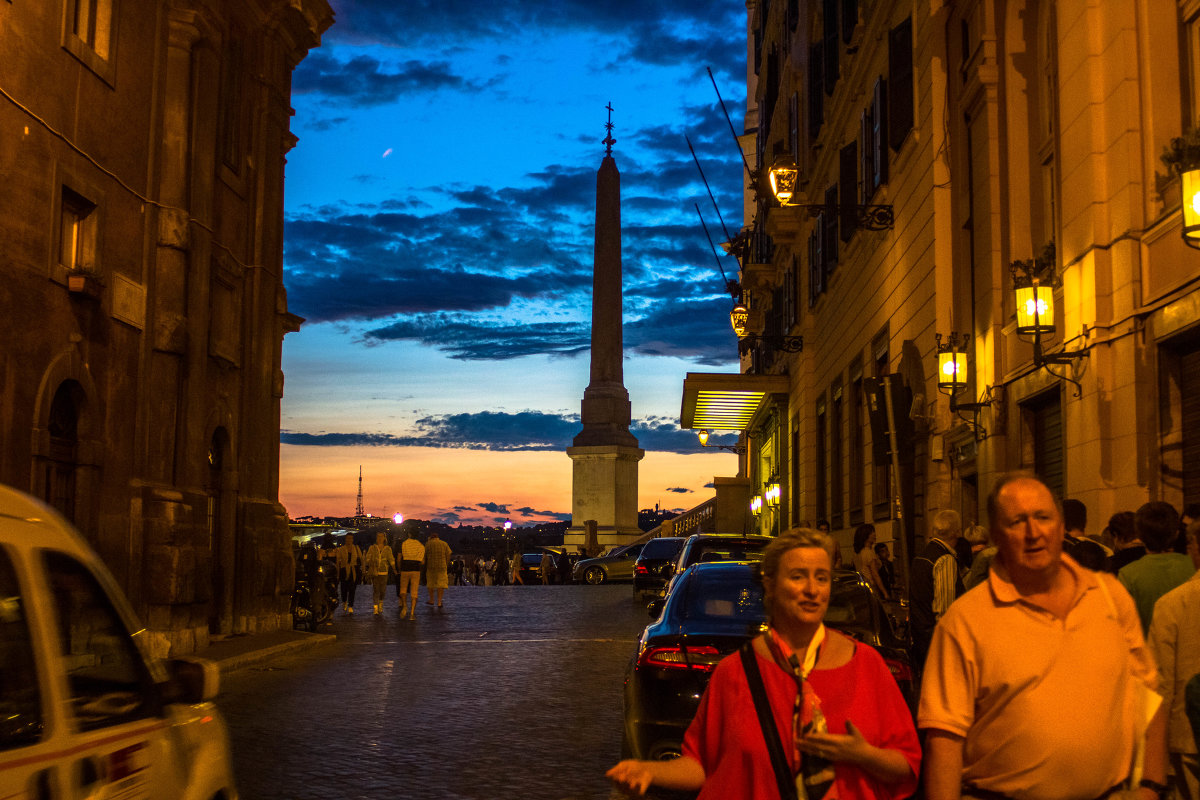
<point x="236" y="661"/>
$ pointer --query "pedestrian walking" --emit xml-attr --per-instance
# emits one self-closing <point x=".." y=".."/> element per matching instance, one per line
<point x="437" y="561"/>
<point x="1039" y="685"/>
<point x="412" y="556"/>
<point x="349" y="560"/>
<point x="1175" y="640"/>
<point x="1160" y="570"/>
<point x="379" y="563"/>
<point x="831" y="706"/>
<point x="934" y="581"/>
<point x="514" y="570"/>
<point x="546" y="567"/>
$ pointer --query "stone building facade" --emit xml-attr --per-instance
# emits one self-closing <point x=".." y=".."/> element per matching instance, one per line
<point x="143" y="154"/>
<point x="1008" y="138"/>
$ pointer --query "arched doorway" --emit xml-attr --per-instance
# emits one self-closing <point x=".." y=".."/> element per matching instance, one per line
<point x="60" y="462"/>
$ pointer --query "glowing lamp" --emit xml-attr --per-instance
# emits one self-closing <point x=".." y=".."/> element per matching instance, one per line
<point x="1190" y="183"/>
<point x="397" y="518"/>
<point x="703" y="435"/>
<point x="952" y="371"/>
<point x="756" y="504"/>
<point x="772" y="495"/>
<point x="783" y="182"/>
<point x="1035" y="309"/>
<point x="739" y="318"/>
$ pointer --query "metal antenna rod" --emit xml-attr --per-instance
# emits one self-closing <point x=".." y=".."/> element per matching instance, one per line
<point x="714" y="249"/>
<point x="720" y="100"/>
<point x="728" y="238"/>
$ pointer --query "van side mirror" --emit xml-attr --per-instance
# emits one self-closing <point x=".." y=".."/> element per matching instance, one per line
<point x="192" y="680"/>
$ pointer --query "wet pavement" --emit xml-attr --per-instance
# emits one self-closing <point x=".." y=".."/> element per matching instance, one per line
<point x="507" y="692"/>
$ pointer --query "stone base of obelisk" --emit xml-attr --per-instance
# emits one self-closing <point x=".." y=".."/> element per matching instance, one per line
<point x="604" y="489"/>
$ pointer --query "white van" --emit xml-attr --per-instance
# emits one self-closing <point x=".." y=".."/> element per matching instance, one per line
<point x="84" y="712"/>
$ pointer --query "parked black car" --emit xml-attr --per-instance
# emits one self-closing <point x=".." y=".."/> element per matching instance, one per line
<point x="712" y="609"/>
<point x="653" y="566"/>
<point x="706" y="547"/>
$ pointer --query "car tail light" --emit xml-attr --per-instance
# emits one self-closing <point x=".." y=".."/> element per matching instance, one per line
<point x="640" y="569"/>
<point x="703" y="658"/>
<point x="900" y="671"/>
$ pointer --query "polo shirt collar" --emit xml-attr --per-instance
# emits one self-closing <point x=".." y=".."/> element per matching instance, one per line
<point x="1005" y="592"/>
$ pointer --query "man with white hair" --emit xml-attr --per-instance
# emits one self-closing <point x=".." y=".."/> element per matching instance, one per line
<point x="935" y="581"/>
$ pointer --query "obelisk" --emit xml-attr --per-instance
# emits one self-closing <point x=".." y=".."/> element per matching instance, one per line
<point x="605" y="454"/>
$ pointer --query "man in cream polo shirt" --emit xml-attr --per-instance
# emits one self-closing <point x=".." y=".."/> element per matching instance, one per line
<point x="1038" y="680"/>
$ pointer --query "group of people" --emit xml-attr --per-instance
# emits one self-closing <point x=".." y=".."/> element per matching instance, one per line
<point x="380" y="562"/>
<point x="1038" y="683"/>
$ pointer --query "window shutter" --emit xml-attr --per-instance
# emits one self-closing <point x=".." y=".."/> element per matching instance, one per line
<point x="900" y="75"/>
<point x="830" y="226"/>
<point x="794" y="127"/>
<point x="849" y="19"/>
<point x="867" y="153"/>
<point x="831" y="43"/>
<point x="816" y="90"/>
<point x="816" y="270"/>
<point x="848" y="180"/>
<point x="879" y="171"/>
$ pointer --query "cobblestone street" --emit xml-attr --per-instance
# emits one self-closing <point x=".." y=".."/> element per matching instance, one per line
<point x="507" y="692"/>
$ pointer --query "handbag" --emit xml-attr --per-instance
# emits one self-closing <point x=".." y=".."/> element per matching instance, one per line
<point x="783" y="775"/>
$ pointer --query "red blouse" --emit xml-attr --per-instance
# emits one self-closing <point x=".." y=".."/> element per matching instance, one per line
<point x="726" y="739"/>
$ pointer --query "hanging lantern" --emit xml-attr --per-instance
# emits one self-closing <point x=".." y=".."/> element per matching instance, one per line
<point x="1035" y="309"/>
<point x="952" y="371"/>
<point x="739" y="318"/>
<point x="756" y="504"/>
<point x="783" y="177"/>
<point x="1190" y="183"/>
<point x="772" y="495"/>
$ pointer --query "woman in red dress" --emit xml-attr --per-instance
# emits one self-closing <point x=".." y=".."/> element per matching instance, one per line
<point x="845" y="728"/>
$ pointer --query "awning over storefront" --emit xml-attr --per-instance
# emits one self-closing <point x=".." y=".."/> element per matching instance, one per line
<point x="725" y="401"/>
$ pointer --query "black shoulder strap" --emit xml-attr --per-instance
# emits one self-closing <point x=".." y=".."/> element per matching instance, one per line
<point x="783" y="775"/>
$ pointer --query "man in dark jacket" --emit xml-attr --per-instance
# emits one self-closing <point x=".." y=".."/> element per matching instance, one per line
<point x="935" y="581"/>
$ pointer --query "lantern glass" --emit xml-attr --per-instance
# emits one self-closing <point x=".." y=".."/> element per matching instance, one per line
<point x="773" y="495"/>
<point x="1190" y="183"/>
<point x="783" y="183"/>
<point x="952" y="371"/>
<point x="756" y="503"/>
<point x="703" y="434"/>
<point x="739" y="318"/>
<point x="1035" y="309"/>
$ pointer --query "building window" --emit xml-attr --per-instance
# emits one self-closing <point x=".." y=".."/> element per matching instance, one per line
<point x="822" y="467"/>
<point x="832" y="47"/>
<point x="855" y="409"/>
<point x="230" y="125"/>
<point x="816" y="266"/>
<point x="794" y="471"/>
<point x="900" y="79"/>
<point x="77" y="233"/>
<point x="816" y="90"/>
<point x="837" y="500"/>
<point x="89" y="34"/>
<point x="848" y="180"/>
<point x="829" y="226"/>
<point x="881" y="480"/>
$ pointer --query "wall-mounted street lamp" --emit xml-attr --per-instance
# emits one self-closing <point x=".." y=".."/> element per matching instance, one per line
<point x="771" y="495"/>
<point x="1033" y="282"/>
<point x="739" y="319"/>
<point x="953" y="377"/>
<point x="783" y="177"/>
<point x="733" y="448"/>
<point x="756" y="505"/>
<point x="1189" y="184"/>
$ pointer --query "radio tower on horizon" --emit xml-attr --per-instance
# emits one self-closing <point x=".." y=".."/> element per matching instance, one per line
<point x="358" y="509"/>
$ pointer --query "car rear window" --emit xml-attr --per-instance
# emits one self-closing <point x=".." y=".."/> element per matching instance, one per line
<point x="661" y="548"/>
<point x="726" y="551"/>
<point x="723" y="598"/>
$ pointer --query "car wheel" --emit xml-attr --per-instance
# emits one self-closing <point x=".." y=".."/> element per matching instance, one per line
<point x="594" y="576"/>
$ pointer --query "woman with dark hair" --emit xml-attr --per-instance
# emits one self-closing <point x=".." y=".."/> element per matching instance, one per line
<point x="845" y="729"/>
<point x="866" y="561"/>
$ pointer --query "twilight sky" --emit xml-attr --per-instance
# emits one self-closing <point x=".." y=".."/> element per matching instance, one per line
<point x="438" y="242"/>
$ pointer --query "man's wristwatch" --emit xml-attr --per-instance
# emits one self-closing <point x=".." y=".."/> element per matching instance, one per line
<point x="1160" y="789"/>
